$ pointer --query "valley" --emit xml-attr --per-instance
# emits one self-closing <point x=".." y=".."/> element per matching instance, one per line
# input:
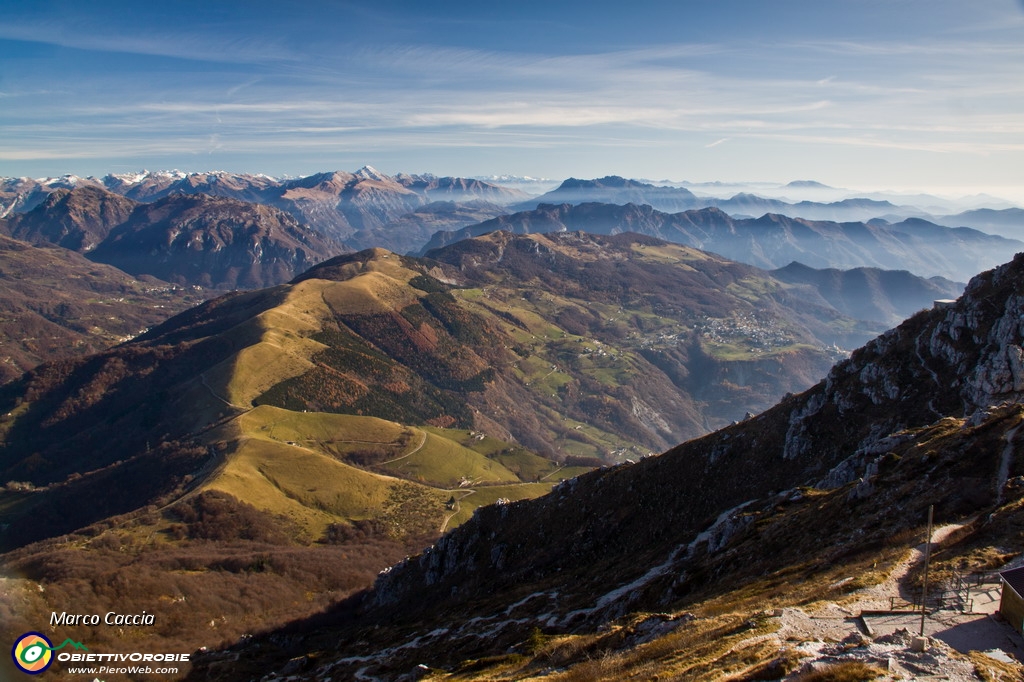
<point x="512" y="342"/>
<point x="577" y="447"/>
<point x="811" y="508"/>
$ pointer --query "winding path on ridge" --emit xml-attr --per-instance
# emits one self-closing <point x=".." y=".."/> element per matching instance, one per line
<point x="458" y="506"/>
<point x="423" y="441"/>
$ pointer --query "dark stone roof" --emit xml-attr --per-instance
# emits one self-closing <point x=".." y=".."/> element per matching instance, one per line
<point x="1015" y="579"/>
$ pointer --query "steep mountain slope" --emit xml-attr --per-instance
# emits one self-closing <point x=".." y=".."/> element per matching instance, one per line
<point x="773" y="241"/>
<point x="77" y="219"/>
<point x="213" y="242"/>
<point x="890" y="296"/>
<point x="809" y="501"/>
<point x="56" y="304"/>
<point x="194" y="239"/>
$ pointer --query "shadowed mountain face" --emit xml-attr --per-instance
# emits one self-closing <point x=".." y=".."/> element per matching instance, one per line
<point x="195" y="239"/>
<point x="56" y="304"/>
<point x="890" y="296"/>
<point x="773" y="241"/>
<point x="780" y="509"/>
<point x="213" y="242"/>
<point x="76" y="219"/>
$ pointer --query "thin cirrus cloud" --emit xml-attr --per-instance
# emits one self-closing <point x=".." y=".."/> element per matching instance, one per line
<point x="187" y="44"/>
<point x="395" y="77"/>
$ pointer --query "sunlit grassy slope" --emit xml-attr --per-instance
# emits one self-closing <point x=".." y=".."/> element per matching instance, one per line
<point x="547" y="354"/>
<point x="319" y="469"/>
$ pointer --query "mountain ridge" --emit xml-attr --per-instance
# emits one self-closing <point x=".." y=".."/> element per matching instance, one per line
<point x="194" y="239"/>
<point x="957" y="342"/>
<point x="900" y="425"/>
<point x="336" y="203"/>
<point x="771" y="241"/>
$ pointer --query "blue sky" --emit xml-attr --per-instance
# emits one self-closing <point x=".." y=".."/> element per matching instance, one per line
<point x="854" y="93"/>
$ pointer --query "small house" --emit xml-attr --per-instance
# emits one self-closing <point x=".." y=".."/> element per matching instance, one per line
<point x="1011" y="602"/>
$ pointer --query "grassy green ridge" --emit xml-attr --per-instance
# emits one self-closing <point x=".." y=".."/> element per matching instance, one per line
<point x="319" y="469"/>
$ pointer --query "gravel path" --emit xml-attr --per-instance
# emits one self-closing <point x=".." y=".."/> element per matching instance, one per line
<point x="830" y="632"/>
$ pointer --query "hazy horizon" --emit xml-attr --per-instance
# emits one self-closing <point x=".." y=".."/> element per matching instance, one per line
<point x="911" y="96"/>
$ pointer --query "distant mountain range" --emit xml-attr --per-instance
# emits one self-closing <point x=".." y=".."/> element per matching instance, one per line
<point x="367" y="208"/>
<point x="671" y="199"/>
<point x="771" y="241"/>
<point x="346" y="207"/>
<point x="203" y="240"/>
<point x="215" y="242"/>
<point x="1007" y="221"/>
<point x="614" y="189"/>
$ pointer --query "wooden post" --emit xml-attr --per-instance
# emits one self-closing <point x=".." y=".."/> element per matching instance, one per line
<point x="927" y="558"/>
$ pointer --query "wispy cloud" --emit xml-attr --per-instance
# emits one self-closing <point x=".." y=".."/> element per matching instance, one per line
<point x="192" y="44"/>
<point x="298" y="83"/>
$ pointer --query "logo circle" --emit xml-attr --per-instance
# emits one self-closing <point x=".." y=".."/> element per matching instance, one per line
<point x="32" y="653"/>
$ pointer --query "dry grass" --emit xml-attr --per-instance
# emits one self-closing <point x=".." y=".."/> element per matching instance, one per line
<point x="989" y="669"/>
<point x="372" y="292"/>
<point x="848" y="671"/>
<point x="730" y="646"/>
<point x="311" y="489"/>
<point x="210" y="570"/>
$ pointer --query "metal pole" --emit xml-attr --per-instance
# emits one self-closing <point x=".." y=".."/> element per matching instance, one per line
<point x="927" y="558"/>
